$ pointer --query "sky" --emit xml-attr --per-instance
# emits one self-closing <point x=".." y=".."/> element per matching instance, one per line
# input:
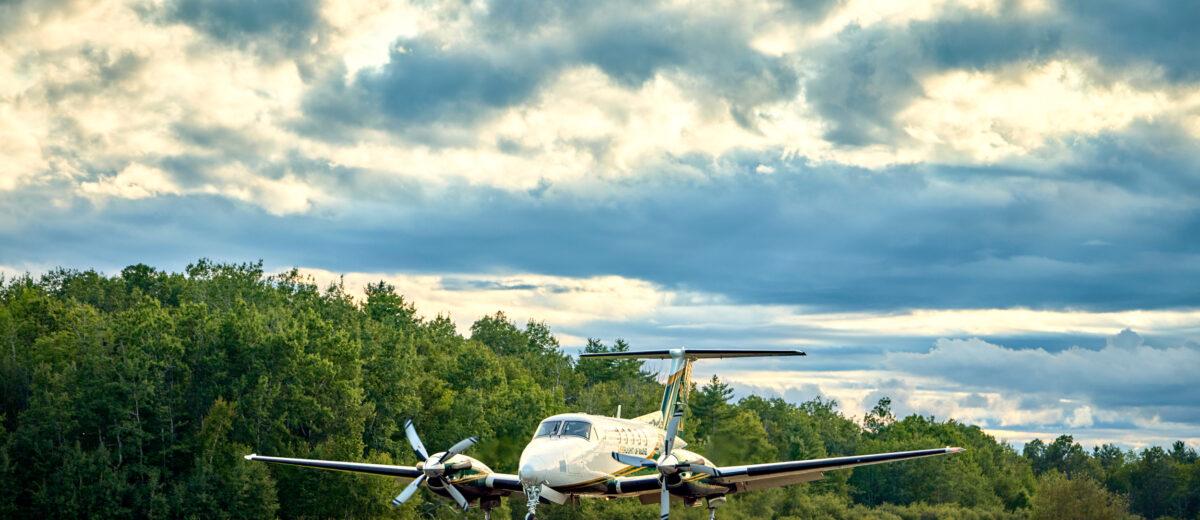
<point x="986" y="210"/>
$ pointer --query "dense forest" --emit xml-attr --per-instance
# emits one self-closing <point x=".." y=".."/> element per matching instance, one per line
<point x="136" y="395"/>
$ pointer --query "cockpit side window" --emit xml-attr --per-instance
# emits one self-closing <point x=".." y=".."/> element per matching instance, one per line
<point x="577" y="428"/>
<point x="548" y="428"/>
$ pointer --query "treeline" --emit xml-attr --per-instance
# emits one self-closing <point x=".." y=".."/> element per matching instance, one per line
<point x="136" y="396"/>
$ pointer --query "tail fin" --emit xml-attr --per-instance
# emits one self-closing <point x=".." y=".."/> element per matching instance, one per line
<point x="681" y="368"/>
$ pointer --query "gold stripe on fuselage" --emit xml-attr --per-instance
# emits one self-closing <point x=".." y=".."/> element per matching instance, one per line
<point x="620" y="473"/>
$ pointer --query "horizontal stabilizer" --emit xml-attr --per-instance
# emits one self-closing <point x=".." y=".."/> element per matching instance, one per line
<point x="694" y="353"/>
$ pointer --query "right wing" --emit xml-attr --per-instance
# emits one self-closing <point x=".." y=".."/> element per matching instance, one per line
<point x="497" y="482"/>
<point x="408" y="472"/>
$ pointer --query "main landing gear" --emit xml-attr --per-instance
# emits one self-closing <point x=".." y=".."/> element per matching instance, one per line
<point x="713" y="504"/>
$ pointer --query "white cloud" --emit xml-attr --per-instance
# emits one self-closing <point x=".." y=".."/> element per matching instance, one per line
<point x="364" y="32"/>
<point x="136" y="181"/>
<point x="989" y="322"/>
<point x="1116" y="370"/>
<point x="20" y="131"/>
<point x="559" y="301"/>
<point x="282" y="196"/>
<point x="1081" y="417"/>
<point x="987" y="116"/>
<point x="113" y="89"/>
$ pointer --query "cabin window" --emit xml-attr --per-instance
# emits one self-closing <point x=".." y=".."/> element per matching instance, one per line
<point x="548" y="428"/>
<point x="577" y="428"/>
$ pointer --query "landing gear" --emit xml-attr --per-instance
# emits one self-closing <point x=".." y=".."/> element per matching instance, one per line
<point x="533" y="495"/>
<point x="486" y="504"/>
<point x="713" y="504"/>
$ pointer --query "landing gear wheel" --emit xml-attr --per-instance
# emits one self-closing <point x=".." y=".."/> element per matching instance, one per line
<point x="530" y="516"/>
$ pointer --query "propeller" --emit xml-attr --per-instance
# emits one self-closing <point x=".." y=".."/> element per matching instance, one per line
<point x="435" y="468"/>
<point x="667" y="464"/>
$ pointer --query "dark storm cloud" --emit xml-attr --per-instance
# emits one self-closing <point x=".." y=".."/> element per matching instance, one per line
<point x="427" y="84"/>
<point x="422" y="84"/>
<point x="865" y="76"/>
<point x="1161" y="33"/>
<point x="935" y="237"/>
<point x="271" y="28"/>
<point x="813" y="10"/>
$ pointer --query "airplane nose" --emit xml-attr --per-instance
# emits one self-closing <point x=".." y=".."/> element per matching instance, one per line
<point x="535" y="461"/>
<point x="526" y="473"/>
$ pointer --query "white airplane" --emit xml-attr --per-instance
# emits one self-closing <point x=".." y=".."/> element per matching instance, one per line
<point x="581" y="455"/>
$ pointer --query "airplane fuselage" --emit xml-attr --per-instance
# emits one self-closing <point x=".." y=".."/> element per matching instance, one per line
<point x="572" y="453"/>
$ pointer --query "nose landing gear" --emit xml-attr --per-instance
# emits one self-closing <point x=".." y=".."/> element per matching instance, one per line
<point x="533" y="495"/>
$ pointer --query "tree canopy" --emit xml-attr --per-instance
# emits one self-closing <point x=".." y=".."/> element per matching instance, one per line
<point x="135" y="396"/>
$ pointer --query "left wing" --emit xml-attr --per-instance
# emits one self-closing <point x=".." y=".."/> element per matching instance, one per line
<point x="737" y="479"/>
<point x="774" y="474"/>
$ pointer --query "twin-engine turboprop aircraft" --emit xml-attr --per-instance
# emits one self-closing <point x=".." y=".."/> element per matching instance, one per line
<point x="580" y="455"/>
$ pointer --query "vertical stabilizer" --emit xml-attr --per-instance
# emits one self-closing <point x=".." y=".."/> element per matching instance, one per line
<point x="681" y="369"/>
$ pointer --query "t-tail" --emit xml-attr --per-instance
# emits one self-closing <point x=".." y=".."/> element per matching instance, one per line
<point x="681" y="368"/>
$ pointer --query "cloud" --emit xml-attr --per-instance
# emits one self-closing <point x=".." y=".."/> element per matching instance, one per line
<point x="1125" y="34"/>
<point x="433" y="88"/>
<point x="423" y="83"/>
<point x="935" y="238"/>
<point x="1138" y="380"/>
<point x="865" y="76"/>
<point x="136" y="181"/>
<point x="989" y="115"/>
<point x="271" y="28"/>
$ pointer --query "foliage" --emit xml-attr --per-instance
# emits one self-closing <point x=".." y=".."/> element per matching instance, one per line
<point x="136" y="395"/>
<point x="1060" y="497"/>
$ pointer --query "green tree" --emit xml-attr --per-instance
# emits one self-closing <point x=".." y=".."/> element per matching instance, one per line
<point x="1062" y="498"/>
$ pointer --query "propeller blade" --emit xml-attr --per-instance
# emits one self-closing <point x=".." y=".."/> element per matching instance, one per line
<point x="634" y="460"/>
<point x="665" y="501"/>
<point x="408" y="490"/>
<point x="672" y="430"/>
<point x="414" y="440"/>
<point x="459" y="448"/>
<point x="454" y="492"/>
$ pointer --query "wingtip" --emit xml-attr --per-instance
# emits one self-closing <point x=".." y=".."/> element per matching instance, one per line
<point x="954" y="450"/>
<point x="250" y="456"/>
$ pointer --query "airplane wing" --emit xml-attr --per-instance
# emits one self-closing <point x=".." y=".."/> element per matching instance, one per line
<point x="774" y="474"/>
<point x="500" y="482"/>
<point x="408" y="472"/>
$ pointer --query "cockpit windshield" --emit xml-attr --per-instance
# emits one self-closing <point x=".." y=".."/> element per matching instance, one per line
<point x="573" y="428"/>
<point x="577" y="428"/>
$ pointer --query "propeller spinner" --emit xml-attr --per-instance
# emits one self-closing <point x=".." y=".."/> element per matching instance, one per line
<point x="667" y="464"/>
